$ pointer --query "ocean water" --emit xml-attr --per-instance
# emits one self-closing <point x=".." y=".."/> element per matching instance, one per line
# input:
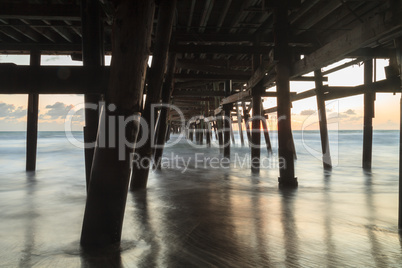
<point x="196" y="215"/>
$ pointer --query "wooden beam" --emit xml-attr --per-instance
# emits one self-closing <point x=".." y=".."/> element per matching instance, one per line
<point x="40" y="12"/>
<point x="206" y="93"/>
<point x="53" y="79"/>
<point x="211" y="69"/>
<point x="211" y="77"/>
<point x="221" y="49"/>
<point x="218" y="63"/>
<point x="364" y="34"/>
<point x="390" y="85"/>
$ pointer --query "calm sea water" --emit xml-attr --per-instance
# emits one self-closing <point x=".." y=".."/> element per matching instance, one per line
<point x="193" y="215"/>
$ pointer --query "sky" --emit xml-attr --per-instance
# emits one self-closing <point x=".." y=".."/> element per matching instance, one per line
<point x="345" y="113"/>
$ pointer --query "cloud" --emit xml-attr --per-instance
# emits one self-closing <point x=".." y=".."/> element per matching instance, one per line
<point x="9" y="111"/>
<point x="356" y="118"/>
<point x="350" y="112"/>
<point x="79" y="115"/>
<point x="58" y="110"/>
<point x="307" y="112"/>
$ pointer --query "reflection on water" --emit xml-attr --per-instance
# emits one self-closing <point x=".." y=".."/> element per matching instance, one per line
<point x="205" y="217"/>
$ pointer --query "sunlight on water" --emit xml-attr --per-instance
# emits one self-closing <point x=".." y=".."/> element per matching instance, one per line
<point x="203" y="216"/>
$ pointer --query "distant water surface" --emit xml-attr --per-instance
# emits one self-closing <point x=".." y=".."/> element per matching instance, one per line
<point x="193" y="215"/>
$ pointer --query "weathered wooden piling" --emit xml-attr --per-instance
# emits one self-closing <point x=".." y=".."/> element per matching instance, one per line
<point x="219" y="123"/>
<point x="201" y="130"/>
<point x="256" y="130"/>
<point x="191" y="132"/>
<point x="398" y="52"/>
<point x="286" y="171"/>
<point x="266" y="132"/>
<point x="322" y="119"/>
<point x="107" y="192"/>
<point x="208" y="133"/>
<point x="139" y="177"/>
<point x="239" y="120"/>
<point x="163" y="126"/>
<point x="32" y="119"/>
<point x="231" y="133"/>
<point x="227" y="121"/>
<point x="92" y="55"/>
<point x="369" y="98"/>
<point x="246" y="117"/>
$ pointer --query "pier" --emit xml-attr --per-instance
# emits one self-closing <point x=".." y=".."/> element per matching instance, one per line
<point x="213" y="65"/>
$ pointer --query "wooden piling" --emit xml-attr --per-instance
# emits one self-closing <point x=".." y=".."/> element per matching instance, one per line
<point x="201" y="129"/>
<point x="163" y="126"/>
<point x="208" y="133"/>
<point x="256" y="130"/>
<point x="107" y="192"/>
<point x="369" y="98"/>
<point x="322" y="118"/>
<point x="246" y="117"/>
<point x="92" y="55"/>
<point x="266" y="132"/>
<point x="227" y="121"/>
<point x="239" y="120"/>
<point x="219" y="123"/>
<point x="215" y="129"/>
<point x="139" y="177"/>
<point x="400" y="169"/>
<point x="32" y="119"/>
<point x="286" y="171"/>
<point x="191" y="132"/>
<point x="231" y="133"/>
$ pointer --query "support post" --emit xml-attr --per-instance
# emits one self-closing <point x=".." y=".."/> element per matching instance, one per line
<point x="227" y="121"/>
<point x="246" y="117"/>
<point x="369" y="98"/>
<point x="201" y="129"/>
<point x="163" y="126"/>
<point x="139" y="176"/>
<point x="110" y="174"/>
<point x="239" y="119"/>
<point x="256" y="130"/>
<point x="92" y="55"/>
<point x="398" y="45"/>
<point x="266" y="133"/>
<point x="219" y="123"/>
<point x="208" y="133"/>
<point x="231" y="133"/>
<point x="32" y="119"/>
<point x="322" y="118"/>
<point x="191" y="132"/>
<point x="215" y="129"/>
<point x="286" y="171"/>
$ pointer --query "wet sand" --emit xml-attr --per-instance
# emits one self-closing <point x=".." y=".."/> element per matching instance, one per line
<point x="207" y="218"/>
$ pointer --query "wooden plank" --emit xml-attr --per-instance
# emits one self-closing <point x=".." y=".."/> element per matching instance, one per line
<point x="361" y="36"/>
